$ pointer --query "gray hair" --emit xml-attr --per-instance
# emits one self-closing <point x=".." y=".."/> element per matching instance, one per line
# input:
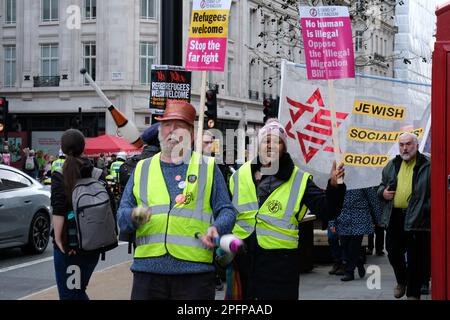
<point x="411" y="135"/>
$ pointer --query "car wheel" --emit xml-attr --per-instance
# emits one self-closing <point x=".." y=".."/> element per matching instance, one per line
<point x="39" y="234"/>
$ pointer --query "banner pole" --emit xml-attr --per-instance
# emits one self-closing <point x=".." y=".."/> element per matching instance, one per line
<point x="334" y="127"/>
<point x="201" y="114"/>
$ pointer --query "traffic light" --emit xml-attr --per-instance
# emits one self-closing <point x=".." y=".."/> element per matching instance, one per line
<point x="267" y="104"/>
<point x="270" y="108"/>
<point x="211" y="104"/>
<point x="3" y="113"/>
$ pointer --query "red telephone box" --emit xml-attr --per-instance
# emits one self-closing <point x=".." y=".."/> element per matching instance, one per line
<point x="440" y="159"/>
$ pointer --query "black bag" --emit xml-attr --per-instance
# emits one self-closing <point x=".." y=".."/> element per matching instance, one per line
<point x="127" y="169"/>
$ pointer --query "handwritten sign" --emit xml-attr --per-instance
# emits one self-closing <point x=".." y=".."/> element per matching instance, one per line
<point x="327" y="39"/>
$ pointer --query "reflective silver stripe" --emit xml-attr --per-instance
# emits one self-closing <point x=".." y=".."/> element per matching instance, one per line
<point x="236" y="190"/>
<point x="159" y="209"/>
<point x="185" y="241"/>
<point x="289" y="212"/>
<point x="189" y="213"/>
<point x="144" y="182"/>
<point x="251" y="206"/>
<point x="150" y="239"/>
<point x="275" y="234"/>
<point x="280" y="223"/>
<point x="245" y="225"/>
<point x="202" y="177"/>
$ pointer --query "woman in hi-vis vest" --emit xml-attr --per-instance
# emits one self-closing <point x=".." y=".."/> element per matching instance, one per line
<point x="271" y="196"/>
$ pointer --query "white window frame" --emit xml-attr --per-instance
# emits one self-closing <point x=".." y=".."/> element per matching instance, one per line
<point x="10" y="9"/>
<point x="149" y="60"/>
<point x="148" y="4"/>
<point x="51" y="18"/>
<point x="10" y="59"/>
<point x="92" y="69"/>
<point x="91" y="4"/>
<point x="50" y="59"/>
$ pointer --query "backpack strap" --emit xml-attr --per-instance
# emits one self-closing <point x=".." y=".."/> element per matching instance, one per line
<point x="96" y="173"/>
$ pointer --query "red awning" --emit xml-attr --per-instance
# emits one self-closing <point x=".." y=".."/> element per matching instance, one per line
<point x="108" y="145"/>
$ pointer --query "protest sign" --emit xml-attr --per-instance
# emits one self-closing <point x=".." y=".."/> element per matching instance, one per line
<point x="327" y="39"/>
<point x="168" y="83"/>
<point x="371" y="114"/>
<point x="208" y="35"/>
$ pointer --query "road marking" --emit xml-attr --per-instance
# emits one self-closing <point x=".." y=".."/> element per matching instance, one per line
<point x="27" y="264"/>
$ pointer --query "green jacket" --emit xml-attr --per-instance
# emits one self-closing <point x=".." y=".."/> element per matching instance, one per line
<point x="418" y="212"/>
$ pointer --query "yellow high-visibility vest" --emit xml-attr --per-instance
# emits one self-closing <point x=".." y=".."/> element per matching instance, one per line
<point x="275" y="223"/>
<point x="57" y="165"/>
<point x="173" y="230"/>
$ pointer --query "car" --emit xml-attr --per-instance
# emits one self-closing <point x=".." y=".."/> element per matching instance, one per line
<point x="25" y="211"/>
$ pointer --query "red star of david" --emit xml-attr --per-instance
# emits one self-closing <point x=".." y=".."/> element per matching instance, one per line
<point x="322" y="117"/>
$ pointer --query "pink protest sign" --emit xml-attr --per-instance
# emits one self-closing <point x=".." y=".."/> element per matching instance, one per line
<point x="327" y="39"/>
<point x="208" y="35"/>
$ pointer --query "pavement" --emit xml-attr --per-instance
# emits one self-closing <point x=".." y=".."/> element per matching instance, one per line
<point x="115" y="283"/>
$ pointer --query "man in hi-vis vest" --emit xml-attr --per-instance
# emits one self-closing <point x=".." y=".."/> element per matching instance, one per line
<point x="271" y="196"/>
<point x="176" y="202"/>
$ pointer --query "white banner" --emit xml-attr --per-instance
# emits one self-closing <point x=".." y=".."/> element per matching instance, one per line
<point x="371" y="113"/>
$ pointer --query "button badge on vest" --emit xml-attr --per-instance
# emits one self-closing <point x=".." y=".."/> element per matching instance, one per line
<point x="181" y="198"/>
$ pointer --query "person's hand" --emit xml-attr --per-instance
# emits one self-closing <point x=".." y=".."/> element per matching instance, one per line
<point x="333" y="230"/>
<point x="208" y="239"/>
<point x="336" y="173"/>
<point x="140" y="215"/>
<point x="388" y="195"/>
<point x="60" y="246"/>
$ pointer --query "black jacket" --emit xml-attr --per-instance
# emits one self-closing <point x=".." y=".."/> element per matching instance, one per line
<point x="417" y="216"/>
<point x="58" y="196"/>
<point x="274" y="274"/>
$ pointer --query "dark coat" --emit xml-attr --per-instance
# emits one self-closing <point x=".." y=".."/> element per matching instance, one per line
<point x="274" y="274"/>
<point x="361" y="212"/>
<point x="417" y="216"/>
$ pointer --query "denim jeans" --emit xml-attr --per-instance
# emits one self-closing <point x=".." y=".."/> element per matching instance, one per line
<point x="66" y="272"/>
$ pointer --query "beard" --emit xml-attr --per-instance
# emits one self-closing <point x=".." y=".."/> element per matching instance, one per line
<point x="176" y="144"/>
<point x="408" y="156"/>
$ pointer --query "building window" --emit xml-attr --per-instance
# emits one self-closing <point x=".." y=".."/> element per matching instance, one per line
<point x="49" y="60"/>
<point x="231" y="25"/>
<point x="10" y="12"/>
<point x="359" y="41"/>
<point x="252" y="26"/>
<point x="266" y="30"/>
<point x="376" y="44"/>
<point x="89" y="59"/>
<point x="385" y="48"/>
<point x="148" y="9"/>
<point x="147" y="58"/>
<point x="229" y="75"/>
<point x="50" y="10"/>
<point x="10" y="66"/>
<point x="381" y="46"/>
<point x="90" y="9"/>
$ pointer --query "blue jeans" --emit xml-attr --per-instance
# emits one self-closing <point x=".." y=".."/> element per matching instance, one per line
<point x="69" y="287"/>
